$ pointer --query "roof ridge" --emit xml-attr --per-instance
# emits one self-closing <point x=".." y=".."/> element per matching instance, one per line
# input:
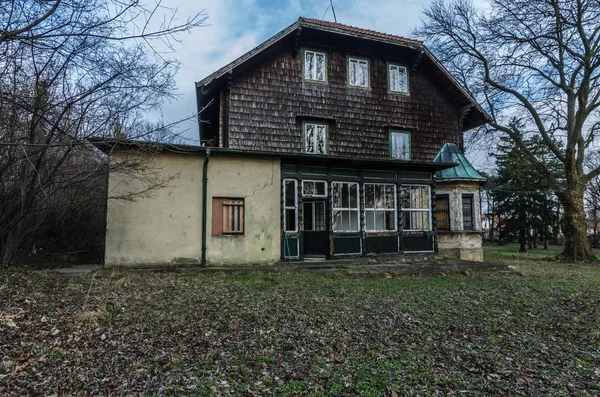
<point x="356" y="29"/>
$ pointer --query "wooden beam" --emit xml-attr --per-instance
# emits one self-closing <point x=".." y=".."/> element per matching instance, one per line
<point x="297" y="42"/>
<point x="417" y="61"/>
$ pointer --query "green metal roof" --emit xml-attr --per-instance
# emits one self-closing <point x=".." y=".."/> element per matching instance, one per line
<point x="450" y="153"/>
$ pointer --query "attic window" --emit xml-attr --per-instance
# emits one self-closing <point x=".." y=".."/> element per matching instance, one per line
<point x="315" y="66"/>
<point x="315" y="138"/>
<point x="398" y="79"/>
<point x="358" y="72"/>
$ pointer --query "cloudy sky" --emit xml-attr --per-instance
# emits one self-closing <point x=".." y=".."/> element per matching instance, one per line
<point x="236" y="26"/>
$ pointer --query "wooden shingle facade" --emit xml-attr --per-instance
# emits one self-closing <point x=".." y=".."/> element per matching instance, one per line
<point x="356" y="118"/>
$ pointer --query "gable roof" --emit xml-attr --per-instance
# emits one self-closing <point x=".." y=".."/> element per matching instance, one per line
<point x="337" y="28"/>
<point x="450" y="153"/>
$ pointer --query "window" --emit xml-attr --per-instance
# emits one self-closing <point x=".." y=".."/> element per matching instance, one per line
<point x="315" y="66"/>
<point x="345" y="207"/>
<point x="467" y="212"/>
<point x="314" y="216"/>
<point x="400" y="145"/>
<point x="314" y="189"/>
<point x="442" y="212"/>
<point x="380" y="207"/>
<point x="398" y="78"/>
<point x="290" y="206"/>
<point x="416" y="207"/>
<point x="358" y="72"/>
<point x="228" y="216"/>
<point x="315" y="138"/>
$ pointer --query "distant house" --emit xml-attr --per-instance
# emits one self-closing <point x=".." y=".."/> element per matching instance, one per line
<point x="318" y="143"/>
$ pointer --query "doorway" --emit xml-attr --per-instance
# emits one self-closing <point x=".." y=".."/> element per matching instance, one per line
<point x="316" y="228"/>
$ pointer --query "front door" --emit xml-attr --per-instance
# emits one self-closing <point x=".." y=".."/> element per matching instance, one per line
<point x="316" y="234"/>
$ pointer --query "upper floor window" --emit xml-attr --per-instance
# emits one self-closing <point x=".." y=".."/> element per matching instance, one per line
<point x="315" y="66"/>
<point x="315" y="138"/>
<point x="398" y="78"/>
<point x="400" y="145"/>
<point x="358" y="72"/>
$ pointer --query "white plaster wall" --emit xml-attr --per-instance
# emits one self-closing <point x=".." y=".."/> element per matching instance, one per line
<point x="162" y="226"/>
<point x="258" y="181"/>
<point x="165" y="226"/>
<point x="455" y="192"/>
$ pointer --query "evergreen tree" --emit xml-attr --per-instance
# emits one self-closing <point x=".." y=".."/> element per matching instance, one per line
<point x="525" y="204"/>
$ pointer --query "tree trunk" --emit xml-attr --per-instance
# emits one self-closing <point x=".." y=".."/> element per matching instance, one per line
<point x="523" y="232"/>
<point x="574" y="227"/>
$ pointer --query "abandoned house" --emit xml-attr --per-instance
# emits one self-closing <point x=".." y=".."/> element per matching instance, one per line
<point x="325" y="141"/>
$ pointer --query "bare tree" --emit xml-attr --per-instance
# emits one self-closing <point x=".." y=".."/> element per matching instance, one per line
<point x="535" y="64"/>
<point x="70" y="71"/>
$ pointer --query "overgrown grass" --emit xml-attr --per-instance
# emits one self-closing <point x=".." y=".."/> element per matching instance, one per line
<point x="304" y="334"/>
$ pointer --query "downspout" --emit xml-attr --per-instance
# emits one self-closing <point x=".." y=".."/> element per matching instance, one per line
<point x="204" y="194"/>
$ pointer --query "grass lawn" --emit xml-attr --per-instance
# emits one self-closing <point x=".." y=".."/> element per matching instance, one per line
<point x="304" y="334"/>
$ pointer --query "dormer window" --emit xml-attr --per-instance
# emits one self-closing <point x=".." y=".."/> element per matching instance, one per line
<point x="315" y="66"/>
<point x="315" y="138"/>
<point x="398" y="79"/>
<point x="358" y="72"/>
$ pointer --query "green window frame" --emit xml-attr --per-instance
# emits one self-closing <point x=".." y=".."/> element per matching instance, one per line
<point x="394" y="82"/>
<point x="400" y="149"/>
<point x="315" y="137"/>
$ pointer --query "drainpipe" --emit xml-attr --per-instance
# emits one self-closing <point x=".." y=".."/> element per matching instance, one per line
<point x="204" y="194"/>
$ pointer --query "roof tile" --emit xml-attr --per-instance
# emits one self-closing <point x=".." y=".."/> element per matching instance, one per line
<point x="368" y="32"/>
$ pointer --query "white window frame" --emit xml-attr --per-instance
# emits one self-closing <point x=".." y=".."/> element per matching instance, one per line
<point x="335" y="209"/>
<point x="306" y="71"/>
<point x="314" y="195"/>
<point x="325" y="139"/>
<point x="286" y="207"/>
<point x="418" y="209"/>
<point x="359" y="61"/>
<point x="384" y="210"/>
<point x="397" y="67"/>
<point x="401" y="132"/>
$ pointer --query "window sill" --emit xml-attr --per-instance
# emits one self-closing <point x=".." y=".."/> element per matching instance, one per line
<point x="355" y="87"/>
<point x="319" y="82"/>
<point x="398" y="93"/>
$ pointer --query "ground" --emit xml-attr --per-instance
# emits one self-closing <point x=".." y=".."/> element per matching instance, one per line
<point x="116" y="333"/>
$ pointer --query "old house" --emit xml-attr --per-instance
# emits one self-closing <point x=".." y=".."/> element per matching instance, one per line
<point x="318" y="143"/>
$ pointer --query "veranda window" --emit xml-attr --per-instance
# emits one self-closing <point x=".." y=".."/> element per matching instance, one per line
<point x="416" y="207"/>
<point x="314" y="189"/>
<point x="290" y="201"/>
<point x="380" y="207"/>
<point x="345" y="207"/>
